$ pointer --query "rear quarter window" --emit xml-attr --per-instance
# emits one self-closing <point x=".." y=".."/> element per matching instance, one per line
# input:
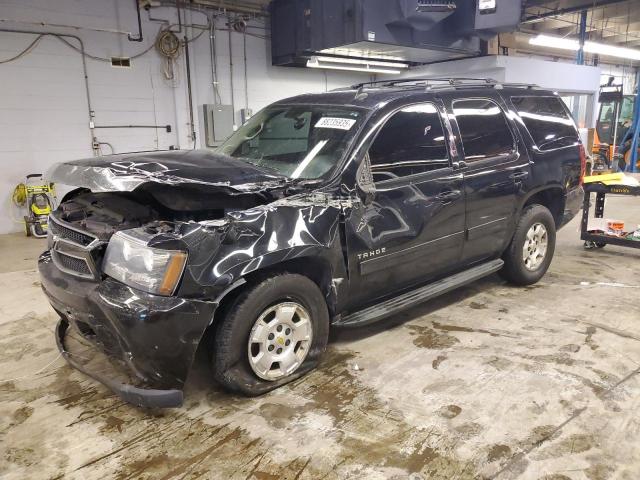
<point x="547" y="120"/>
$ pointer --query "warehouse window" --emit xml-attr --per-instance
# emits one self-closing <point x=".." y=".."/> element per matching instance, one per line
<point x="412" y="141"/>
<point x="483" y="128"/>
<point x="547" y="120"/>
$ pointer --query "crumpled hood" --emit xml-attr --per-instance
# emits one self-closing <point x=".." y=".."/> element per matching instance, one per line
<point x="126" y="172"/>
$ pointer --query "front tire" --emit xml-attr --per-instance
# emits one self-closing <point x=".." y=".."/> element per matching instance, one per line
<point x="530" y="252"/>
<point x="273" y="333"/>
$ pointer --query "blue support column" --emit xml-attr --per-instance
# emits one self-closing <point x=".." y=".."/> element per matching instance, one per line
<point x="634" y="131"/>
<point x="583" y="37"/>
<point x="633" y="156"/>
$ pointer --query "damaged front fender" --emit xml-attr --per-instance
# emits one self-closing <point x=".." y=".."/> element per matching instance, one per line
<point x="221" y="252"/>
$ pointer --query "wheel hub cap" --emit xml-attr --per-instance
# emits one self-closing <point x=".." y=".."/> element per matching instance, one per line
<point x="279" y="340"/>
<point x="535" y="246"/>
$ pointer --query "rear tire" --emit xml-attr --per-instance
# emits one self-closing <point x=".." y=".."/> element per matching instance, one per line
<point x="530" y="252"/>
<point x="263" y="322"/>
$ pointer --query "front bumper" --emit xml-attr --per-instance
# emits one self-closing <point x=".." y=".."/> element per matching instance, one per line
<point x="142" y="397"/>
<point x="150" y="341"/>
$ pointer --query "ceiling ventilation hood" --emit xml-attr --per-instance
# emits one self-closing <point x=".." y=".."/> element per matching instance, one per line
<point x="407" y="31"/>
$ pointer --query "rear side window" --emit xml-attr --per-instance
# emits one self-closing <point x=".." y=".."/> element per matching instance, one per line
<point x="411" y="141"/>
<point x="483" y="128"/>
<point x="547" y="120"/>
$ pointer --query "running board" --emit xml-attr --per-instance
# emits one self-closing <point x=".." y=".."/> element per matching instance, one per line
<point x="415" y="297"/>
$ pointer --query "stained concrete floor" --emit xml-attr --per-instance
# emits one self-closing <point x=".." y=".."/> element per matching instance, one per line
<point x="490" y="381"/>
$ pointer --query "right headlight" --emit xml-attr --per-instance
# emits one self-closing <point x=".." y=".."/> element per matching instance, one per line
<point x="154" y="270"/>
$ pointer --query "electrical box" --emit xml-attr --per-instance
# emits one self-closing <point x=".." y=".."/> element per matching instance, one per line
<point x="216" y="123"/>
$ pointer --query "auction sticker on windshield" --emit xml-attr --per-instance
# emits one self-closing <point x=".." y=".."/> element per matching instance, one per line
<point x="335" y="122"/>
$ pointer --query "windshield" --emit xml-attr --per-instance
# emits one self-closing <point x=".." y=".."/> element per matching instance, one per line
<point x="298" y="141"/>
<point x="606" y="122"/>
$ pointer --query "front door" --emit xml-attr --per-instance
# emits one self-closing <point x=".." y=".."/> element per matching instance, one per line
<point x="494" y="176"/>
<point x="410" y="228"/>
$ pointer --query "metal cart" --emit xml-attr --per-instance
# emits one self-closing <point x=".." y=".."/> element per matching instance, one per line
<point x="601" y="190"/>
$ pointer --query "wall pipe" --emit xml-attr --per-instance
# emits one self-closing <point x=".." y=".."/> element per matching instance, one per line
<point x="163" y="127"/>
<point x="63" y="25"/>
<point x="233" y="105"/>
<point x="139" y="37"/>
<point x="189" y="93"/>
<point x="214" y="60"/>
<point x="94" y="147"/>
<point x="246" y="82"/>
<point x="230" y="6"/>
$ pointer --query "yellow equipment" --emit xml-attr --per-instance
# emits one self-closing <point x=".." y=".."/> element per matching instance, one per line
<point x="612" y="179"/>
<point x="38" y="197"/>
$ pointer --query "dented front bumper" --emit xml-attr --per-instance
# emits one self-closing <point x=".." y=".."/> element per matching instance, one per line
<point x="149" y="340"/>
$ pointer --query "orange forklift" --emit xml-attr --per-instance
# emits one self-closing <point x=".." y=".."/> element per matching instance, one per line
<point x="614" y="120"/>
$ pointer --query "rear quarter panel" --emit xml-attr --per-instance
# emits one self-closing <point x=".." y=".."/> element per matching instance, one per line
<point x="555" y="168"/>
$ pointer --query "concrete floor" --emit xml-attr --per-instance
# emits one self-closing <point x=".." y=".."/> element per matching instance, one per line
<point x="490" y="381"/>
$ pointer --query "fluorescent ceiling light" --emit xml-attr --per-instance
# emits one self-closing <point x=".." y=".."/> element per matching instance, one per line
<point x="555" y="42"/>
<point x="591" y="47"/>
<point x="355" y="65"/>
<point x="611" y="50"/>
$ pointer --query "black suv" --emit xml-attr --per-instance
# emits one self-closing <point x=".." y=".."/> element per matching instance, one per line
<point x="333" y="209"/>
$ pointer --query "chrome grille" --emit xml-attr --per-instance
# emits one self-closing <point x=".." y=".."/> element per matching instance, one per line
<point x="72" y="264"/>
<point x="73" y="251"/>
<point x="70" y="234"/>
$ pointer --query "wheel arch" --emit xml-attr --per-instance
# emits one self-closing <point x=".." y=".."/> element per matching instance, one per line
<point x="317" y="268"/>
<point x="551" y="197"/>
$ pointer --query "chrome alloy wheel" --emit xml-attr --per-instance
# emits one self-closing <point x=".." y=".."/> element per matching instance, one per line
<point x="535" y="246"/>
<point x="280" y="340"/>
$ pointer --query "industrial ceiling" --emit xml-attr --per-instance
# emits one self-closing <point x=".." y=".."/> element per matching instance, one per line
<point x="611" y="21"/>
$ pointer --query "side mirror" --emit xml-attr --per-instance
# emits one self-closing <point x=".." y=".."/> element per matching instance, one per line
<point x="364" y="185"/>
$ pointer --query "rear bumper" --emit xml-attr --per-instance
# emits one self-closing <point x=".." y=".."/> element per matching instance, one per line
<point x="149" y="340"/>
<point x="572" y="205"/>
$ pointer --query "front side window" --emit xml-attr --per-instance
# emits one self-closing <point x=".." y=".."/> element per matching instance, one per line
<point x="483" y="129"/>
<point x="412" y="141"/>
<point x="547" y="120"/>
<point x="295" y="141"/>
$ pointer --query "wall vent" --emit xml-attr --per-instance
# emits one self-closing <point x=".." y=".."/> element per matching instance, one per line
<point x="121" y="62"/>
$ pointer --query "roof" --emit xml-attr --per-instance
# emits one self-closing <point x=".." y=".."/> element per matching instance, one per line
<point x="370" y="95"/>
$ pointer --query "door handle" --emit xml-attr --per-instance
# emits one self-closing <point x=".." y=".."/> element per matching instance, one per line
<point x="449" y="196"/>
<point x="519" y="175"/>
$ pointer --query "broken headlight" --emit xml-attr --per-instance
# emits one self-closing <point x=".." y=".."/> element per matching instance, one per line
<point x="154" y="270"/>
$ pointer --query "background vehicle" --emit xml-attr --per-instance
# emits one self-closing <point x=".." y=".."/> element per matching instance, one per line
<point x="327" y="209"/>
<point x="614" y="120"/>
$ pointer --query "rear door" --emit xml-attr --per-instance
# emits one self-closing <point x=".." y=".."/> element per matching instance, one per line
<point x="495" y="174"/>
<point x="411" y="228"/>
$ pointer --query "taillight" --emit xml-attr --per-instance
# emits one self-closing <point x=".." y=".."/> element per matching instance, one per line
<point x="583" y="163"/>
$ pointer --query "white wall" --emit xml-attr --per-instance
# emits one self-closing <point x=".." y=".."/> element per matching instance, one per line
<point x="43" y="105"/>
<point x="563" y="77"/>
<point x="560" y="76"/>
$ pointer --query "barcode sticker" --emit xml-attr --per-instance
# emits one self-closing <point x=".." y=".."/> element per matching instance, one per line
<point x="335" y="122"/>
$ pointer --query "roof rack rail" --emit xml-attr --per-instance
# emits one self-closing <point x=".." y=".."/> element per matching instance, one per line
<point x="448" y="82"/>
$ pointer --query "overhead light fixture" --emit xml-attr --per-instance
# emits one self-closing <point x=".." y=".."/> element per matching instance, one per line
<point x="589" y="46"/>
<point x="555" y="42"/>
<point x="355" y="64"/>
<point x="611" y="50"/>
